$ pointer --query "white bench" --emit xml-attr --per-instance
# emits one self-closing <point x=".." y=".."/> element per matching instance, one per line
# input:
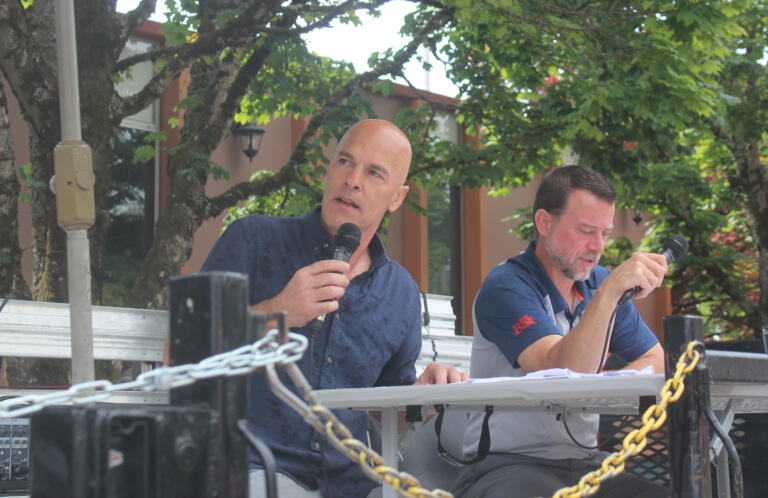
<point x="41" y="330"/>
<point x="439" y="339"/>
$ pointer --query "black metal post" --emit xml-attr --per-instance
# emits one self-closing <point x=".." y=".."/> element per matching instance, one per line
<point x="688" y="428"/>
<point x="209" y="315"/>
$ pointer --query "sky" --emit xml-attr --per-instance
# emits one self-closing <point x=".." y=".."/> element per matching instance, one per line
<point x="355" y="44"/>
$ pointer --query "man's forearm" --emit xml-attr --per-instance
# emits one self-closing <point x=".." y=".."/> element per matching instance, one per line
<point x="580" y="349"/>
<point x="653" y="357"/>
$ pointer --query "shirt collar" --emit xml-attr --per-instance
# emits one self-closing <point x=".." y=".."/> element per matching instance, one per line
<point x="314" y="235"/>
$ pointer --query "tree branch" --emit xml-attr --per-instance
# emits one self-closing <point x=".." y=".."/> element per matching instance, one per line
<point x="208" y="44"/>
<point x="721" y="134"/>
<point x="25" y="64"/>
<point x="289" y="171"/>
<point x="434" y="165"/>
<point x="127" y="106"/>
<point x="133" y="19"/>
<point x="241" y="29"/>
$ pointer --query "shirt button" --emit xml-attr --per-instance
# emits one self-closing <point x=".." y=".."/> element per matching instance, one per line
<point x="325" y="245"/>
<point x="315" y="445"/>
<point x="330" y="359"/>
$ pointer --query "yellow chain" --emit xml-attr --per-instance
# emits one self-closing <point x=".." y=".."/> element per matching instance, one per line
<point x="371" y="463"/>
<point x="653" y="418"/>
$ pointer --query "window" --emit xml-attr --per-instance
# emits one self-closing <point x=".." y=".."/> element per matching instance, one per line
<point x="444" y="229"/>
<point x="132" y="195"/>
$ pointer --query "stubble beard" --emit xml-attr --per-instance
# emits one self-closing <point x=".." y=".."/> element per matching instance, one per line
<point x="567" y="266"/>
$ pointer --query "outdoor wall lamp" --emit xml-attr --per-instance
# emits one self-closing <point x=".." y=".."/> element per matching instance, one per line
<point x="250" y="138"/>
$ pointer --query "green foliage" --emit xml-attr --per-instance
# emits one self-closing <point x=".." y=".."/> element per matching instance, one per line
<point x="535" y="80"/>
<point x="632" y="89"/>
<point x="525" y="229"/>
<point x="145" y="153"/>
<point x="181" y="20"/>
<point x="297" y="83"/>
<point x="617" y="250"/>
<point x="200" y="166"/>
<point x="25" y="174"/>
<point x="294" y="200"/>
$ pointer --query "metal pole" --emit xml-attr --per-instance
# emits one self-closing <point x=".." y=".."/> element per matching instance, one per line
<point x="66" y="49"/>
<point x="389" y="445"/>
<point x="74" y="154"/>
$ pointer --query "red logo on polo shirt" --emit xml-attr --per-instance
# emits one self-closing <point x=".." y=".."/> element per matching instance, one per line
<point x="522" y="324"/>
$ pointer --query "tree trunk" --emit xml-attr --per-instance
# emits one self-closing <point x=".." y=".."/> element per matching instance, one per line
<point x="49" y="247"/>
<point x="98" y="47"/>
<point x="752" y="182"/>
<point x="186" y="205"/>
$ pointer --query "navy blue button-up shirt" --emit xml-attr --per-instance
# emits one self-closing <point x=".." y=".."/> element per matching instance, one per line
<point x="372" y="340"/>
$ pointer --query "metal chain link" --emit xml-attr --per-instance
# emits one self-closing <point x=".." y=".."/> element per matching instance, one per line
<point x="266" y="351"/>
<point x="653" y="418"/>
<point x="369" y="461"/>
<point x="326" y="423"/>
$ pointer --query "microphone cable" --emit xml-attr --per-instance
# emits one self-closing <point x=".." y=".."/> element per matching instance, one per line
<point x="611" y="323"/>
<point x="565" y="424"/>
<point x="608" y="332"/>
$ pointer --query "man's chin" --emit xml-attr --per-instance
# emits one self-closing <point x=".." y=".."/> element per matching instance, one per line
<point x="578" y="275"/>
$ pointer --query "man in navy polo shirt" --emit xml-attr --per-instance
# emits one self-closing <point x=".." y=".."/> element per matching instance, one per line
<point x="550" y="307"/>
<point x="370" y="332"/>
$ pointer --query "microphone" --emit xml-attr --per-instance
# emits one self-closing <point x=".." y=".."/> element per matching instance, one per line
<point x="346" y="241"/>
<point x="673" y="249"/>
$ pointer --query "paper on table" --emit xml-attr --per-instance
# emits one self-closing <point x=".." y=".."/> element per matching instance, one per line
<point x="565" y="373"/>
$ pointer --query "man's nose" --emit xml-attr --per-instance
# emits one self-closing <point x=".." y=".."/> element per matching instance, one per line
<point x="596" y="243"/>
<point x="354" y="178"/>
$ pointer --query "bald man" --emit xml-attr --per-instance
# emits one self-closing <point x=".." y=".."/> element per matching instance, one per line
<point x="371" y="331"/>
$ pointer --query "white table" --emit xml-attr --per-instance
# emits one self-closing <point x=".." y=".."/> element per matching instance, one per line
<point x="605" y="394"/>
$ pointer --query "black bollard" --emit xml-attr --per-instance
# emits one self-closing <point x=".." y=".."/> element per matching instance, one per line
<point x="688" y="428"/>
<point x="209" y="315"/>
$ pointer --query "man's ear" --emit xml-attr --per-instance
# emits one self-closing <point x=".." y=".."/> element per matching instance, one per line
<point x="397" y="198"/>
<point x="543" y="221"/>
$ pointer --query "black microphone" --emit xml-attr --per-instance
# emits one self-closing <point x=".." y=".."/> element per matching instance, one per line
<point x="673" y="249"/>
<point x="346" y="241"/>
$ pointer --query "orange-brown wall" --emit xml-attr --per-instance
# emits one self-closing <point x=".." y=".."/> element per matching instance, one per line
<point x="20" y="136"/>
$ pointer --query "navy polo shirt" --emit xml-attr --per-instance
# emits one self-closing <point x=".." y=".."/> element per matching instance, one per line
<point x="372" y="340"/>
<point x="517" y="305"/>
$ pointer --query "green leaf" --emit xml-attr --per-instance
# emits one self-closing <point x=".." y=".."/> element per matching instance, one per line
<point x="143" y="154"/>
